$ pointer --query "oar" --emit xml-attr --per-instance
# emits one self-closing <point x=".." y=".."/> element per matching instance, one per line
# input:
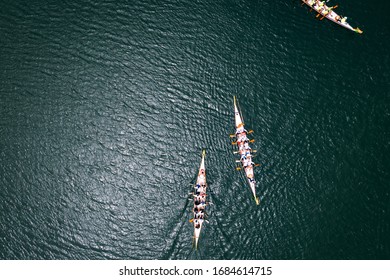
<point x="249" y="132"/>
<point x="257" y="164"/>
<point x="251" y="141"/>
<point x="252" y="152"/>
<point x="191" y="220"/>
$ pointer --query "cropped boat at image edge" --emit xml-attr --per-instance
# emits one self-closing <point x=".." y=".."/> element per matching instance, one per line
<point x="328" y="12"/>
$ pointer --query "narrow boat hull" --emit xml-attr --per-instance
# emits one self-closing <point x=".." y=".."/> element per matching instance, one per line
<point x="249" y="172"/>
<point x="200" y="181"/>
<point x="332" y="16"/>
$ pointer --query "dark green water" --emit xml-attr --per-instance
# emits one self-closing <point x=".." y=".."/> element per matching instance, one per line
<point x="106" y="105"/>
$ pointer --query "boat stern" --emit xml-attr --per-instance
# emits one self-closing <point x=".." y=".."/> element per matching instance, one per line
<point x="196" y="237"/>
<point x="253" y="188"/>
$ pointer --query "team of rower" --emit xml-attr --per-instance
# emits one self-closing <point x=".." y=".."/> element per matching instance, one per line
<point x="245" y="151"/>
<point x="324" y="10"/>
<point x="200" y="199"/>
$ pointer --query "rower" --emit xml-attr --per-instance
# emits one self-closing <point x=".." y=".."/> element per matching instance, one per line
<point x="239" y="138"/>
<point x="246" y="157"/>
<point x="246" y="146"/>
<point x="344" y="20"/>
<point x="329" y="9"/>
<point x="326" y="11"/>
<point x="249" y="171"/>
<point x="240" y="129"/>
<point x="320" y="6"/>
<point x="243" y="138"/>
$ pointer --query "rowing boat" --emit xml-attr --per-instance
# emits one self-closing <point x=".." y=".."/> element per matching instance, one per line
<point x="199" y="195"/>
<point x="244" y="150"/>
<point x="331" y="15"/>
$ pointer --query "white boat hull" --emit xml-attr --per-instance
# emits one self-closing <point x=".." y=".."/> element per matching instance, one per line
<point x="201" y="181"/>
<point x="249" y="172"/>
<point x="332" y="16"/>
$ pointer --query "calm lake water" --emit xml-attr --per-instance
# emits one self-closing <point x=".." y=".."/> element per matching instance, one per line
<point x="105" y="107"/>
